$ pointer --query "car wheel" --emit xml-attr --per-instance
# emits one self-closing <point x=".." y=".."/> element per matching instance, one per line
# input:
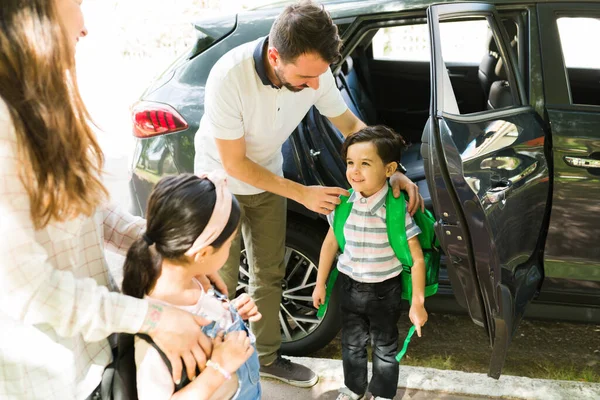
<point x="302" y="332"/>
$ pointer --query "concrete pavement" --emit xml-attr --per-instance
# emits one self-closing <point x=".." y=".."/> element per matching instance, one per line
<point x="428" y="383"/>
<point x="327" y="390"/>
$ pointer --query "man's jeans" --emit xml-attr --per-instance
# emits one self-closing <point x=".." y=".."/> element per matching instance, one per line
<point x="263" y="229"/>
<point x="370" y="310"/>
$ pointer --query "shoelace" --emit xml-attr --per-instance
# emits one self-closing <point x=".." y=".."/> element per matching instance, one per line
<point x="284" y="363"/>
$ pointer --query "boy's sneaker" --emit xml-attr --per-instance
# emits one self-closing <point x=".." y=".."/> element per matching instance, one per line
<point x="289" y="372"/>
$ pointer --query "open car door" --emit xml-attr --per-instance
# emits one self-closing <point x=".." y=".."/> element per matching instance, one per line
<point x="489" y="179"/>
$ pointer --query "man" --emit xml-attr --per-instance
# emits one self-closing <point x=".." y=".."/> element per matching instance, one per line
<point x="256" y="95"/>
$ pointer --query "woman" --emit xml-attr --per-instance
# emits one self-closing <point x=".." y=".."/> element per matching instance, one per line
<point x="56" y="308"/>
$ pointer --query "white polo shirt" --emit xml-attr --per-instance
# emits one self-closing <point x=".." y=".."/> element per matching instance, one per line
<point x="241" y="101"/>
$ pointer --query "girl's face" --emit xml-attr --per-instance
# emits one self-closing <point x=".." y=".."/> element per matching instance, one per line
<point x="211" y="260"/>
<point x="365" y="170"/>
<point x="71" y="18"/>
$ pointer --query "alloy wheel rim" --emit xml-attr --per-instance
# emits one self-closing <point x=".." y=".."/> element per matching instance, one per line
<point x="297" y="316"/>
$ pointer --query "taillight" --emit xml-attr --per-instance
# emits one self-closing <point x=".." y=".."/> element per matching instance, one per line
<point x="153" y="119"/>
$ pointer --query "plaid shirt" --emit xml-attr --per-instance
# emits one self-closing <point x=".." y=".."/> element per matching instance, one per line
<point x="56" y="308"/>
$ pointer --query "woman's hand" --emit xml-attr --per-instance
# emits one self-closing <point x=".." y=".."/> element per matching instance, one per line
<point x="179" y="335"/>
<point x="246" y="307"/>
<point x="231" y="351"/>
<point x="400" y="182"/>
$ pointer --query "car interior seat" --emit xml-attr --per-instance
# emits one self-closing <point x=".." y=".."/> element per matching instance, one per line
<point x="499" y="93"/>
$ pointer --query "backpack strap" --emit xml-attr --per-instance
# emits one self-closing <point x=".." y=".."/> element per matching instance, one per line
<point x="395" y="215"/>
<point x="184" y="378"/>
<point x="342" y="211"/>
<point x="340" y="216"/>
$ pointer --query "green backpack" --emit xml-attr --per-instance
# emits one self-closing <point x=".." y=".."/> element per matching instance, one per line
<point x="396" y="227"/>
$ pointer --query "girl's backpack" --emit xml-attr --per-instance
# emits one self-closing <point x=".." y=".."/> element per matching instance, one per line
<point x="119" y="378"/>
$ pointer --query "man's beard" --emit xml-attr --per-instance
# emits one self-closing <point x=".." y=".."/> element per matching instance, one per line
<point x="285" y="83"/>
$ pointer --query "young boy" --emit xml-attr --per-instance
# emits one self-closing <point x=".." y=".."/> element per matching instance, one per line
<point x="369" y="269"/>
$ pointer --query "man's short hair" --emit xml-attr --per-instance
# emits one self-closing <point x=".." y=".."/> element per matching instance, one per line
<point x="305" y="27"/>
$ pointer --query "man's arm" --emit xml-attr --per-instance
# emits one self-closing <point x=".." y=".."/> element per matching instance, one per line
<point x="316" y="198"/>
<point x="347" y="123"/>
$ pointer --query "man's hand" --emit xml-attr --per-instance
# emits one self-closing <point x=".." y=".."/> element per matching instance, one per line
<point x="179" y="335"/>
<point x="322" y="199"/>
<point x="400" y="182"/>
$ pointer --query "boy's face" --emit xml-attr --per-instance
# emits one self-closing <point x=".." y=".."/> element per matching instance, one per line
<point x="365" y="170"/>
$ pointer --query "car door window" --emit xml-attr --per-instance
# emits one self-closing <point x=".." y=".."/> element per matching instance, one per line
<point x="495" y="89"/>
<point x="582" y="62"/>
<point x="411" y="42"/>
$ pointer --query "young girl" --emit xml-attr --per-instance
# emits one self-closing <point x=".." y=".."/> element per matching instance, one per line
<point x="191" y="223"/>
<point x="369" y="269"/>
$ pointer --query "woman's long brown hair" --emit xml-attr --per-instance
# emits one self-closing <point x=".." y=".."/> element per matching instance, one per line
<point x="61" y="161"/>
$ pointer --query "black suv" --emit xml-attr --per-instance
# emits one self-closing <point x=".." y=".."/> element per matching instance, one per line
<point x="503" y="113"/>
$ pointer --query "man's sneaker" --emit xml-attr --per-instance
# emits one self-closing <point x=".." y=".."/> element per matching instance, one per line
<point x="289" y="372"/>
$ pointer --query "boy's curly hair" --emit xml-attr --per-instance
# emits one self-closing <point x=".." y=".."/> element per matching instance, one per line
<point x="389" y="144"/>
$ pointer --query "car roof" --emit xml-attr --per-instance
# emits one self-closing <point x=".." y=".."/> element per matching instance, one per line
<point x="347" y="8"/>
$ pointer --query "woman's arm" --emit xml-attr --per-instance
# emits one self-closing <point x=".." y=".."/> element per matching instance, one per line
<point x="120" y="228"/>
<point x="31" y="289"/>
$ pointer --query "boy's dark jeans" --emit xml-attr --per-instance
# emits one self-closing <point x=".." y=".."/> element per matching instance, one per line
<point x="370" y="310"/>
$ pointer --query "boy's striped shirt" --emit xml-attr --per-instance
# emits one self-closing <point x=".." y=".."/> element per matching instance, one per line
<point x="368" y="256"/>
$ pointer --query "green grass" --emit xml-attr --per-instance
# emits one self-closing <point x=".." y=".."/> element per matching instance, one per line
<point x="452" y="342"/>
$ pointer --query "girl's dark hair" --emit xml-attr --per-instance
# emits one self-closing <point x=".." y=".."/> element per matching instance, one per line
<point x="389" y="144"/>
<point x="178" y="210"/>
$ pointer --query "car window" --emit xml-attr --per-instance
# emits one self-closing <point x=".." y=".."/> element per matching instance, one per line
<point x="582" y="61"/>
<point x="411" y="42"/>
<point x="492" y="89"/>
<point x="402" y="43"/>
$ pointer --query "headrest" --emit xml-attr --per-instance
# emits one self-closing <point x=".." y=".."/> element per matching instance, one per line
<point x="500" y="70"/>
<point x="492" y="46"/>
<point x="511" y="29"/>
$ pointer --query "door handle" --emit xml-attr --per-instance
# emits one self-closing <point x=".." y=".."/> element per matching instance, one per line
<point x="497" y="193"/>
<point x="582" y="162"/>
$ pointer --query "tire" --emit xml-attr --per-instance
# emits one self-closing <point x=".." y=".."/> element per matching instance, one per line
<point x="302" y="333"/>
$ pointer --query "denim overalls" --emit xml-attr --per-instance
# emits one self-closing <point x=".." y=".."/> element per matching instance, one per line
<point x="248" y="374"/>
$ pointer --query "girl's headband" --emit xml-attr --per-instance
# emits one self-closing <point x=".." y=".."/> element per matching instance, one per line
<point x="220" y="215"/>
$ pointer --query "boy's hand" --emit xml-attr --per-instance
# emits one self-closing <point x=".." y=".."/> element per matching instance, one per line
<point x="418" y="316"/>
<point x="318" y="296"/>
<point x="246" y="307"/>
